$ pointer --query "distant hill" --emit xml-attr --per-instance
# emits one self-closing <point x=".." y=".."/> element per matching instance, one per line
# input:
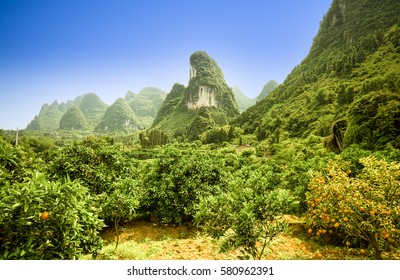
<point x="242" y="100"/>
<point x="170" y="103"/>
<point x="118" y="117"/>
<point x="206" y="102"/>
<point x="73" y="119"/>
<point x="93" y="108"/>
<point x="49" y="116"/>
<point x="87" y="112"/>
<point x="267" y="89"/>
<point x="146" y="104"/>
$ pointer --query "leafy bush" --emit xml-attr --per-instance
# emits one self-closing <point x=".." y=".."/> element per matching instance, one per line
<point x="45" y="220"/>
<point x="121" y="205"/>
<point x="177" y="181"/>
<point x="95" y="162"/>
<point x="357" y="210"/>
<point x="14" y="163"/>
<point x="374" y="121"/>
<point x="245" y="215"/>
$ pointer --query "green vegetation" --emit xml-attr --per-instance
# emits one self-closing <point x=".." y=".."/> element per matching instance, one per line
<point x="119" y="116"/>
<point x="323" y="147"/>
<point x="237" y="195"/>
<point x="352" y="55"/>
<point x="267" y="89"/>
<point x="207" y="102"/>
<point x="45" y="220"/>
<point x="170" y="103"/>
<point x="73" y="119"/>
<point x="146" y="104"/>
<point x="242" y="100"/>
<point x="93" y="108"/>
<point x="91" y="112"/>
<point x="49" y="117"/>
<point x="360" y="210"/>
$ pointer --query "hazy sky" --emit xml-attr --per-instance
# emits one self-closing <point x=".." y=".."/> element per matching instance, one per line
<point x="61" y="49"/>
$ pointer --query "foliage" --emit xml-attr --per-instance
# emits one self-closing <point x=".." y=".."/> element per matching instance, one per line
<point x="374" y="121"/>
<point x="242" y="100"/>
<point x="246" y="214"/>
<point x="178" y="180"/>
<point x="152" y="138"/>
<point x="357" y="210"/>
<point x="170" y="103"/>
<point x="15" y="164"/>
<point x="355" y="52"/>
<point x="190" y="123"/>
<point x="92" y="107"/>
<point x="120" y="205"/>
<point x="267" y="89"/>
<point x="95" y="162"/>
<point x="119" y="116"/>
<point x="73" y="119"/>
<point x="47" y="220"/>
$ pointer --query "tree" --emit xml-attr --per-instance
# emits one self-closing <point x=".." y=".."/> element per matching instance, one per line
<point x="359" y="210"/>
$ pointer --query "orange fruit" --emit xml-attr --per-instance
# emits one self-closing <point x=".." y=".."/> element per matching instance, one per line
<point x="44" y="216"/>
<point x="362" y="209"/>
<point x="336" y="225"/>
<point x="309" y="230"/>
<point x="372" y="213"/>
<point x="386" y="236"/>
<point x="388" y="213"/>
<point x="345" y="219"/>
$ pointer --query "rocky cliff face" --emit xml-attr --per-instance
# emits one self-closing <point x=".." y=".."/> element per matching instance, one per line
<point x="207" y="86"/>
<point x="205" y="97"/>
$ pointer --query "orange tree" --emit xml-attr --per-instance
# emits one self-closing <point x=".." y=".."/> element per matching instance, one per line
<point x="361" y="209"/>
<point x="40" y="219"/>
<point x="247" y="213"/>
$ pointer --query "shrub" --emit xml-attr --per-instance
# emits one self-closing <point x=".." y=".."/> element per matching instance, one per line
<point x="177" y="181"/>
<point x="121" y="205"/>
<point x="357" y="210"/>
<point x="96" y="163"/>
<point x="246" y="215"/>
<point x="45" y="220"/>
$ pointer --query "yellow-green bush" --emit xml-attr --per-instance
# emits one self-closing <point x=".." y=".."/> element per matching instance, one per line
<point x="360" y="210"/>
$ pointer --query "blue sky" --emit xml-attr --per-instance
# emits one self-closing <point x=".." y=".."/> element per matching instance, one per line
<point x="61" y="49"/>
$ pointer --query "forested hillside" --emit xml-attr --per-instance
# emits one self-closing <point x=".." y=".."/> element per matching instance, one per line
<point x="143" y="105"/>
<point x="352" y="67"/>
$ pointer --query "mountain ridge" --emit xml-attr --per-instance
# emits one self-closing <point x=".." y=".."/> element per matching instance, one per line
<point x="355" y="53"/>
